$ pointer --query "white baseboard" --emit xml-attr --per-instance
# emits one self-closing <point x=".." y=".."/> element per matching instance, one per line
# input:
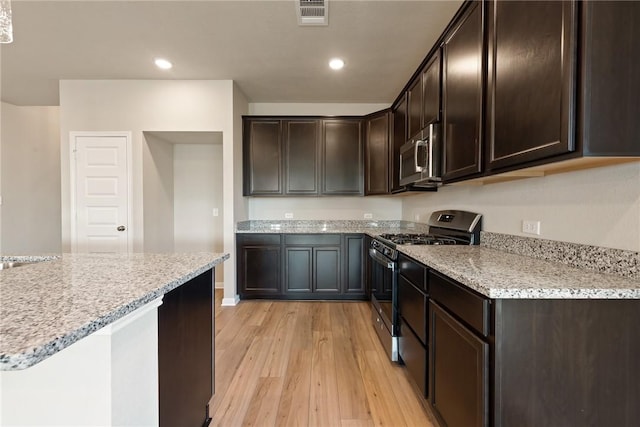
<point x="230" y="302"/>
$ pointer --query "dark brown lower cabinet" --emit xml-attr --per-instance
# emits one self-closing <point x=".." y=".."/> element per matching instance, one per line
<point x="186" y="353"/>
<point x="567" y="362"/>
<point x="312" y="270"/>
<point x="459" y="368"/>
<point x="301" y="266"/>
<point x="312" y="264"/>
<point x="414" y="355"/>
<point x="355" y="263"/>
<point x="259" y="265"/>
<point x="531" y="362"/>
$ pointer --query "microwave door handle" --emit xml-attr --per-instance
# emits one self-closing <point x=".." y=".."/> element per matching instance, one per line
<point x="415" y="156"/>
<point x="428" y="167"/>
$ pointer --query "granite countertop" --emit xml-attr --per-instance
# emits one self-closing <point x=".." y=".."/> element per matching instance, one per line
<point x="503" y="266"/>
<point x="48" y="305"/>
<point x="499" y="274"/>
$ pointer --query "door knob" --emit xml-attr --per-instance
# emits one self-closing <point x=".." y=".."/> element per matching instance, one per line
<point x="121" y="228"/>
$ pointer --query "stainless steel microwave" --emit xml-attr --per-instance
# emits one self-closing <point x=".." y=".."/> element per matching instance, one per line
<point x="420" y="159"/>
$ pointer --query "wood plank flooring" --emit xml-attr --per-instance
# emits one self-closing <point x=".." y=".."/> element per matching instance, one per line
<point x="281" y="363"/>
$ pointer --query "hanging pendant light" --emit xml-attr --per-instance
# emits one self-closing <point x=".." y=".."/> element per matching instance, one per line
<point x="6" y="27"/>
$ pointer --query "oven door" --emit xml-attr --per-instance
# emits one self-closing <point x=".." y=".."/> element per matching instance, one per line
<point x="384" y="300"/>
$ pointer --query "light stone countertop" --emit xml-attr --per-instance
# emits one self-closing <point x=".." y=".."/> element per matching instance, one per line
<point x="48" y="305"/>
<point x="498" y="274"/>
<point x="545" y="272"/>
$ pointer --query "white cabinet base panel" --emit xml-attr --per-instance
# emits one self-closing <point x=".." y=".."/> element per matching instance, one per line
<point x="107" y="378"/>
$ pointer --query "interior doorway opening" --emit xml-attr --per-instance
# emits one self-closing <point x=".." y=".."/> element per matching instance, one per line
<point x="183" y="193"/>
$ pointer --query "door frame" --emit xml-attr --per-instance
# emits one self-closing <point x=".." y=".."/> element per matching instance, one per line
<point x="73" y="214"/>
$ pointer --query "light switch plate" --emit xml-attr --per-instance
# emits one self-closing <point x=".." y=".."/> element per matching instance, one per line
<point x="288" y="215"/>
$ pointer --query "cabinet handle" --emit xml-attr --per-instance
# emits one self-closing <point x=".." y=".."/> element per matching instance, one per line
<point x="121" y="228"/>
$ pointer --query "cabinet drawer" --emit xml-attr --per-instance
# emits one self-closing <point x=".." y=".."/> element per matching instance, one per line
<point x="312" y="239"/>
<point x="467" y="306"/>
<point x="414" y="356"/>
<point x="412" y="304"/>
<point x="413" y="270"/>
<point x="258" y="239"/>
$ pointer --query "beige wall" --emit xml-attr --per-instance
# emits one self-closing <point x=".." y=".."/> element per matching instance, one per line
<point x="153" y="105"/>
<point x="325" y="207"/>
<point x="157" y="166"/>
<point x="30" y="178"/>
<point x="198" y="190"/>
<point x="595" y="207"/>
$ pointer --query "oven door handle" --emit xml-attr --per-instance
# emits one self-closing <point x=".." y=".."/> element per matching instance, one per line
<point x="380" y="259"/>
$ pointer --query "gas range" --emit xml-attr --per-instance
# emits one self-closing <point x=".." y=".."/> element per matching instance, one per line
<point x="445" y="228"/>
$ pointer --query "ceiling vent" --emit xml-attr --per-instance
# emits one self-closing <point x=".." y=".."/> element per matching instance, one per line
<point x="312" y="12"/>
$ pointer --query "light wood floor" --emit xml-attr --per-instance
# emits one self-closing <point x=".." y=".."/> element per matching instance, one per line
<point x="281" y="363"/>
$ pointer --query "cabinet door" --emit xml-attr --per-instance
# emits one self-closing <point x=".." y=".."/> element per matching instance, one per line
<point x="355" y="263"/>
<point x="342" y="157"/>
<point x="298" y="269"/>
<point x="262" y="157"/>
<point x="326" y="269"/>
<point x="431" y="90"/>
<point x="414" y="103"/>
<point x="399" y="114"/>
<point x="458" y="372"/>
<point x="462" y="96"/>
<point x="531" y="80"/>
<point x="377" y="155"/>
<point x="259" y="270"/>
<point x="301" y="151"/>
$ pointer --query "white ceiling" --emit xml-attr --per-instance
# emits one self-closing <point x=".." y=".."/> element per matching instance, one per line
<point x="256" y="43"/>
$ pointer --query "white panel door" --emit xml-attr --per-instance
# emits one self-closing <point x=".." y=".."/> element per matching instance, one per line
<point x="101" y="193"/>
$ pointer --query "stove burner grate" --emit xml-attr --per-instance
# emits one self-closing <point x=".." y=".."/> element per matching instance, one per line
<point x="419" y="239"/>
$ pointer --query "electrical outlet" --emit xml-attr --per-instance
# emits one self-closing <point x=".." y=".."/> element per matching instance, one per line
<point x="288" y="215"/>
<point x="216" y="212"/>
<point x="368" y="216"/>
<point x="531" y="227"/>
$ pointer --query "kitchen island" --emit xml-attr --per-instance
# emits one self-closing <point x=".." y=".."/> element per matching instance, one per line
<point x="81" y="335"/>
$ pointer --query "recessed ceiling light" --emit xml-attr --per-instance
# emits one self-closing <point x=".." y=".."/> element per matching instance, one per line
<point x="163" y="63"/>
<point x="336" y="64"/>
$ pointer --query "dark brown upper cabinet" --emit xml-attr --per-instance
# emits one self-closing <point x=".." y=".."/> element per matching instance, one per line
<point x="301" y="155"/>
<point x="462" y="89"/>
<point x="377" y="154"/>
<point x="431" y="88"/>
<point x="342" y="157"/>
<point x="262" y="157"/>
<point x="531" y="81"/>
<point x="304" y="156"/>
<point x="399" y="137"/>
<point x="609" y="96"/>
<point x="414" y="104"/>
<point x="423" y="97"/>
